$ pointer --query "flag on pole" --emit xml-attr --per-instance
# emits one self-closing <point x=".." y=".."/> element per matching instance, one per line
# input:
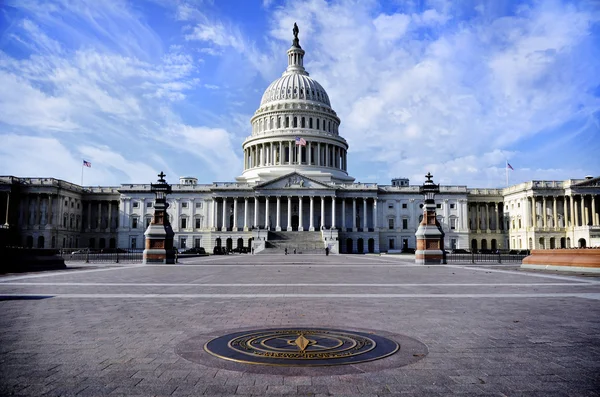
<point x="300" y="141"/>
<point x="508" y="166"/>
<point x="87" y="164"/>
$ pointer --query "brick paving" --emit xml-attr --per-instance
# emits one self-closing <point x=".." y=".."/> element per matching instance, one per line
<point x="114" y="330"/>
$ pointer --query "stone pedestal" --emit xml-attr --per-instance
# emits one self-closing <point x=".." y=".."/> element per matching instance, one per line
<point x="430" y="239"/>
<point x="430" y="236"/>
<point x="158" y="247"/>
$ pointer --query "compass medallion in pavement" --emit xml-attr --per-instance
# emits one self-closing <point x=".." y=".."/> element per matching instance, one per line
<point x="301" y="347"/>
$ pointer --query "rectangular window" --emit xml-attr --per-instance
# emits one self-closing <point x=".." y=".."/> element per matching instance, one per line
<point x="392" y="245"/>
<point x="199" y="204"/>
<point x="452" y="223"/>
<point x="149" y="204"/>
<point x="133" y="242"/>
<point x="453" y="243"/>
<point x="452" y="206"/>
<point x="404" y="223"/>
<point x="148" y="222"/>
<point x="391" y="223"/>
<point x="197" y="242"/>
<point x="134" y="223"/>
<point x="404" y="205"/>
<point x="438" y="206"/>
<point x="197" y="223"/>
<point x="184" y="204"/>
<point x="136" y="204"/>
<point x="183" y="243"/>
<point x="390" y="205"/>
<point x="183" y="223"/>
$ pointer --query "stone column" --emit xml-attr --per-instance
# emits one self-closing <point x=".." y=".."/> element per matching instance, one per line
<point x="333" y="226"/>
<point x="572" y="214"/>
<point x="477" y="216"/>
<point x="289" y="214"/>
<point x="38" y="209"/>
<point x="446" y="214"/>
<point x="267" y="226"/>
<point x="375" y="214"/>
<point x="326" y="155"/>
<point x="586" y="212"/>
<point x="245" y="214"/>
<point x="496" y="214"/>
<point x="109" y="215"/>
<point x="300" y="215"/>
<point x="343" y="214"/>
<point x="319" y="154"/>
<point x="235" y="214"/>
<point x="583" y="220"/>
<point x="280" y="152"/>
<point x="256" y="213"/>
<point x="354" y="214"/>
<point x="309" y="153"/>
<point x="487" y="216"/>
<point x="594" y="215"/>
<point x="311" y="225"/>
<point x="322" y="212"/>
<point x="545" y="212"/>
<point x="365" y="226"/>
<point x="533" y="212"/>
<point x="50" y="210"/>
<point x="575" y="214"/>
<point x="278" y="224"/>
<point x="213" y="218"/>
<point x="565" y="212"/>
<point x="554" y="213"/>
<point x="99" y="215"/>
<point x="291" y="152"/>
<point x="224" y="215"/>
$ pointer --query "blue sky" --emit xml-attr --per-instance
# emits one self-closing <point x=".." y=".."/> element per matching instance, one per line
<point x="455" y="88"/>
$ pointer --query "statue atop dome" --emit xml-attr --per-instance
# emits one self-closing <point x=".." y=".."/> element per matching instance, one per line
<point x="296" y="31"/>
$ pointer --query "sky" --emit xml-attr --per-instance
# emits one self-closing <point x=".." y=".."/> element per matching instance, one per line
<point x="455" y="88"/>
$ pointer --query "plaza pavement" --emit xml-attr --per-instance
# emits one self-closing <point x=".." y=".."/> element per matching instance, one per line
<point x="115" y="330"/>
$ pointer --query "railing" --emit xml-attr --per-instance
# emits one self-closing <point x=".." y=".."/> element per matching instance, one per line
<point x="483" y="258"/>
<point x="108" y="255"/>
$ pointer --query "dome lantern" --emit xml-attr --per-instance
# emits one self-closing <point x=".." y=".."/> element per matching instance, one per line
<point x="296" y="55"/>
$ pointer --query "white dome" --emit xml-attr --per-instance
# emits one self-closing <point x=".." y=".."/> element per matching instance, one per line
<point x="295" y="86"/>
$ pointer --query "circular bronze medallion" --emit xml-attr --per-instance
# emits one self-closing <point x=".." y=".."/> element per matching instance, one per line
<point x="301" y="347"/>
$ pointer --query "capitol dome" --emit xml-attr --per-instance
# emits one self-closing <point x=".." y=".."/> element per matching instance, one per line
<point x="295" y="86"/>
<point x="295" y="129"/>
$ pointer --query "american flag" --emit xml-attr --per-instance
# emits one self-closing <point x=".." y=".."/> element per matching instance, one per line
<point x="509" y="166"/>
<point x="300" y="141"/>
<point x="87" y="164"/>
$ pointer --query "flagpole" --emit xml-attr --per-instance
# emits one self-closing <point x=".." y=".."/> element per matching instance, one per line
<point x="82" y="174"/>
<point x="506" y="169"/>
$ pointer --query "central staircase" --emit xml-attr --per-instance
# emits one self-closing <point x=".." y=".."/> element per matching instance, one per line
<point x="303" y="242"/>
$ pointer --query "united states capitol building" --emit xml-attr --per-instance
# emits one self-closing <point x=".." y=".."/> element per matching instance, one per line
<point x="295" y="187"/>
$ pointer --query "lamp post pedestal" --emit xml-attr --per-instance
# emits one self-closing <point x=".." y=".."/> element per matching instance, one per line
<point x="159" y="235"/>
<point x="430" y="236"/>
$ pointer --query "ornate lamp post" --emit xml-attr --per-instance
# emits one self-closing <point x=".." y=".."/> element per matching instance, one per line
<point x="430" y="237"/>
<point x="159" y="235"/>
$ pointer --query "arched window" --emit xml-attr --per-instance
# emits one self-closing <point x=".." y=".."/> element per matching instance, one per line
<point x="310" y="123"/>
<point x="295" y="122"/>
<point x="303" y="124"/>
<point x="318" y="122"/>
<point x="287" y="121"/>
<point x="279" y="122"/>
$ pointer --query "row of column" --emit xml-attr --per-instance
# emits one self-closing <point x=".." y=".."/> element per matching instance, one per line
<point x="272" y="153"/>
<point x="98" y="221"/>
<point x="357" y="221"/>
<point x="577" y="210"/>
<point x="480" y="216"/>
<point x="281" y="122"/>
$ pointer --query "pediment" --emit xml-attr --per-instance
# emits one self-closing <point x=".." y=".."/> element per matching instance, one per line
<point x="293" y="181"/>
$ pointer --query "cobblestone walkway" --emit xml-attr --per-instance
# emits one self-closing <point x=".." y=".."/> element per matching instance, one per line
<point x="114" y="331"/>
